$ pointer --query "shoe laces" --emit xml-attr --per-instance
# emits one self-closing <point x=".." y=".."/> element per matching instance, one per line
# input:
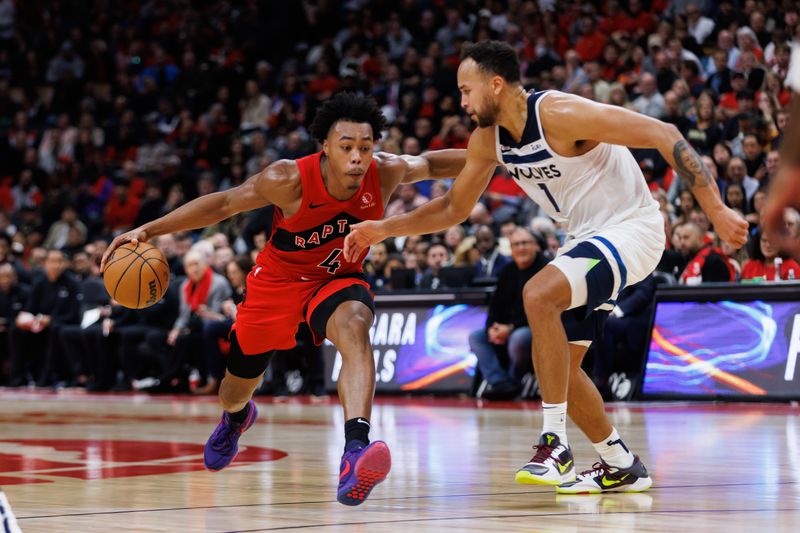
<point x="224" y="436"/>
<point x="543" y="452"/>
<point x="597" y="469"/>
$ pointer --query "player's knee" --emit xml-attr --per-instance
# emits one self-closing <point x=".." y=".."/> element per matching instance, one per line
<point x="540" y="300"/>
<point x="356" y="329"/>
<point x="352" y="325"/>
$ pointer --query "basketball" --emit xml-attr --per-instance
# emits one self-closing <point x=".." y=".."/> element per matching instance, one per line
<point x="137" y="275"/>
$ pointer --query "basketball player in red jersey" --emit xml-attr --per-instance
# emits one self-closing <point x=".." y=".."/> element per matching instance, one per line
<point x="301" y="275"/>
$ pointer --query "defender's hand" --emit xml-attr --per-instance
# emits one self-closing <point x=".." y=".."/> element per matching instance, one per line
<point x="730" y="227"/>
<point x="134" y="236"/>
<point x="362" y="236"/>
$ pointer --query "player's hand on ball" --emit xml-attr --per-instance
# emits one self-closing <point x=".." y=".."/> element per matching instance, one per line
<point x="134" y="236"/>
<point x="730" y="227"/>
<point x="362" y="236"/>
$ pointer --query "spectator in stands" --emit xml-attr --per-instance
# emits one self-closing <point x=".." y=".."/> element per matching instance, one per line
<point x="767" y="264"/>
<point x="201" y="294"/>
<point x="507" y="335"/>
<point x="57" y="235"/>
<point x="754" y="157"/>
<point x="706" y="262"/>
<point x="735" y="197"/>
<point x="13" y="298"/>
<point x="437" y="257"/>
<point x="491" y="260"/>
<point x="705" y="133"/>
<point x="737" y="173"/>
<point x="625" y="333"/>
<point x="650" y="102"/>
<point x="127" y="329"/>
<point x="217" y="325"/>
<point x="771" y="163"/>
<point x="378" y="256"/>
<point x="122" y="208"/>
<point x="35" y="337"/>
<point x="407" y="200"/>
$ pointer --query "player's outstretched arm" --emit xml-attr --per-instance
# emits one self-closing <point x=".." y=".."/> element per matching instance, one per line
<point x="273" y="185"/>
<point x="437" y="214"/>
<point x="574" y="118"/>
<point x="434" y="165"/>
<point x="784" y="190"/>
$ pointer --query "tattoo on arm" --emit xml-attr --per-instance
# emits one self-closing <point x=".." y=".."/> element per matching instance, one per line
<point x="689" y="165"/>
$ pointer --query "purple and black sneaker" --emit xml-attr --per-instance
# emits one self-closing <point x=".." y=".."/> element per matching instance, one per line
<point x="222" y="446"/>
<point x="361" y="469"/>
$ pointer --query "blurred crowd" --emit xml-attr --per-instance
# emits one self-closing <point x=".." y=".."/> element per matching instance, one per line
<point x="114" y="113"/>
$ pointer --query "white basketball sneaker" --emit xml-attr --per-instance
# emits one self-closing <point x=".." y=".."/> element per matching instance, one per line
<point x="602" y="478"/>
<point x="552" y="464"/>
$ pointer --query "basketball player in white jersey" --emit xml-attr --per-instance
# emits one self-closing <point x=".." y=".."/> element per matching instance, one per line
<point x="569" y="155"/>
<point x="784" y="191"/>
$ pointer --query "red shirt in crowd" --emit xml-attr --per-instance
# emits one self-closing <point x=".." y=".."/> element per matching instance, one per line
<point x="503" y="186"/>
<point x="590" y="47"/>
<point x="758" y="270"/>
<point x="121" y="215"/>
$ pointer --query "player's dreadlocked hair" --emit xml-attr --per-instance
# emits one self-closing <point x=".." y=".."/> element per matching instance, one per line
<point x="349" y="107"/>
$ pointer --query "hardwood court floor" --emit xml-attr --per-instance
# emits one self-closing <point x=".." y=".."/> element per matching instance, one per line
<point x="91" y="463"/>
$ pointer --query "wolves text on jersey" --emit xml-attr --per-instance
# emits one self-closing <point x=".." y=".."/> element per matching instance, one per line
<point x="540" y="173"/>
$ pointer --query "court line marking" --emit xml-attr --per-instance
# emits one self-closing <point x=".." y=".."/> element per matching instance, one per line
<point x="399" y="498"/>
<point x="505" y="517"/>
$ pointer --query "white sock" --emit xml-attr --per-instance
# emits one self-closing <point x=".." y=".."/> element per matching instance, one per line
<point x="613" y="450"/>
<point x="555" y="420"/>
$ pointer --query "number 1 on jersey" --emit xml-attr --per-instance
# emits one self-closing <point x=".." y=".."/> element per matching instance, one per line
<point x="549" y="196"/>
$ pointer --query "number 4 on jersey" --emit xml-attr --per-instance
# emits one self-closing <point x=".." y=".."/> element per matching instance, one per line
<point x="330" y="263"/>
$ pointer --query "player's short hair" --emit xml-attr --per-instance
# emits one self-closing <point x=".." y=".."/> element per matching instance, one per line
<point x="495" y="58"/>
<point x="349" y="107"/>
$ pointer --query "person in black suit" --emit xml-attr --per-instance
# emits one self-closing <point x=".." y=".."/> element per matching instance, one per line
<point x="35" y="337"/>
<point x="13" y="296"/>
<point x="625" y="334"/>
<point x="507" y="335"/>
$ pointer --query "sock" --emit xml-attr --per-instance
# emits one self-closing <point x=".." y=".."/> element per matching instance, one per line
<point x="555" y="420"/>
<point x="240" y="416"/>
<point x="356" y="433"/>
<point x="613" y="451"/>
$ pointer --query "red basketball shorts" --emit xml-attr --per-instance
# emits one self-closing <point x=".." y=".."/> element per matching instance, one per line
<point x="274" y="307"/>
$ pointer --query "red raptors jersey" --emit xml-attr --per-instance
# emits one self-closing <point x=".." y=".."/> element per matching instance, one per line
<point x="309" y="244"/>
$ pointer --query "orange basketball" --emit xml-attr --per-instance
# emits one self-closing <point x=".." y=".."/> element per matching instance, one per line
<point x="136" y="276"/>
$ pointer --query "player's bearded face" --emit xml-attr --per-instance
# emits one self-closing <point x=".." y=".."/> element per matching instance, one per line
<point x="487" y="115"/>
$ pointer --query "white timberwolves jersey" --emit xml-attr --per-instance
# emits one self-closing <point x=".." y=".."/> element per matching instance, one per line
<point x="584" y="193"/>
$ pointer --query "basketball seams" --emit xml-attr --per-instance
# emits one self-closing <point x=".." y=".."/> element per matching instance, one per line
<point x="121" y="277"/>
<point x="139" y="287"/>
<point x="144" y="261"/>
<point x="155" y="258"/>
<point x="112" y="261"/>
<point x="158" y="279"/>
